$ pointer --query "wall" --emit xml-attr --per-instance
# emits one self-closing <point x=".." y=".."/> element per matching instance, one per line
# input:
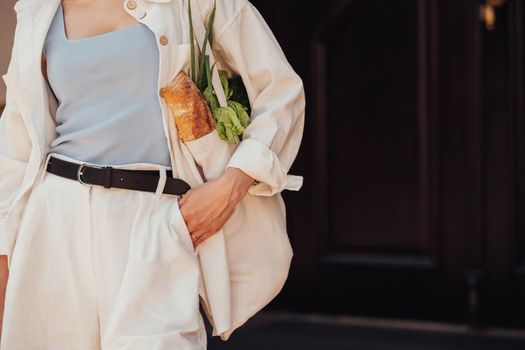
<point x="7" y="27"/>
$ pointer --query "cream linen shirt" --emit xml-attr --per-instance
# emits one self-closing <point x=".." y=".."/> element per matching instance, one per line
<point x="246" y="263"/>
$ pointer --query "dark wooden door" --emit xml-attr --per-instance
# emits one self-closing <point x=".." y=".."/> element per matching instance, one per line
<point x="501" y="162"/>
<point x="413" y="203"/>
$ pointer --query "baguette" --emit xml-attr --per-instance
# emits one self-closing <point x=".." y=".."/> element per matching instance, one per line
<point x="192" y="116"/>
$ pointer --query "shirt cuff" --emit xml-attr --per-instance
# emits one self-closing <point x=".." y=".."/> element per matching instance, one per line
<point x="261" y="163"/>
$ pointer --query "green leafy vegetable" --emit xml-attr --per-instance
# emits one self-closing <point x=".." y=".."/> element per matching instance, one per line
<point x="225" y="83"/>
<point x="232" y="125"/>
<point x="240" y="110"/>
<point x="230" y="120"/>
<point x="211" y="99"/>
<point x="239" y="93"/>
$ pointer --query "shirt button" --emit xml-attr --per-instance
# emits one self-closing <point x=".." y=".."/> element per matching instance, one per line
<point x="131" y="5"/>
<point x="164" y="40"/>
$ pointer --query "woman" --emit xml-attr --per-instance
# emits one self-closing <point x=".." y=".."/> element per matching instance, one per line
<point x="100" y="250"/>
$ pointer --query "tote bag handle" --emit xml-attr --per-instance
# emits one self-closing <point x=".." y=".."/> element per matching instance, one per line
<point x="200" y="31"/>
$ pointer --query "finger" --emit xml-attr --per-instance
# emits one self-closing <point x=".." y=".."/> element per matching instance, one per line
<point x="201" y="235"/>
<point x="193" y="239"/>
<point x="198" y="224"/>
<point x="184" y="196"/>
<point x="198" y="232"/>
<point x="200" y="239"/>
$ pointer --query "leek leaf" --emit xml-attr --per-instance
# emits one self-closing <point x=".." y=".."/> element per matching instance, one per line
<point x="207" y="38"/>
<point x="192" y="44"/>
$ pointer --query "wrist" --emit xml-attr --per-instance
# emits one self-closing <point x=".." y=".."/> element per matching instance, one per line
<point x="237" y="180"/>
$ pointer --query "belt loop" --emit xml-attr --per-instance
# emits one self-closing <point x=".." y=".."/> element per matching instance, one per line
<point x="44" y="166"/>
<point x="162" y="182"/>
<point x="109" y="175"/>
<point x="158" y="191"/>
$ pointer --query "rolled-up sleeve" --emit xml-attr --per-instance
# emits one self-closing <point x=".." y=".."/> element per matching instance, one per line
<point x="271" y="141"/>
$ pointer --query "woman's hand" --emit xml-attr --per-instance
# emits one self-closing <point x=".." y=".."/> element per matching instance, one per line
<point x="207" y="207"/>
<point x="4" y="275"/>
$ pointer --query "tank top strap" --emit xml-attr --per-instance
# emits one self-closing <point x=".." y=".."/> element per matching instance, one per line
<point x="61" y="27"/>
<point x="54" y="32"/>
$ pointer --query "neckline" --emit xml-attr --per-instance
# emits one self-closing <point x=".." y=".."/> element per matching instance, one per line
<point x="97" y="36"/>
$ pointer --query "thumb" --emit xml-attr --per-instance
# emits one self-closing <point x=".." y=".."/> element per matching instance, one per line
<point x="182" y="199"/>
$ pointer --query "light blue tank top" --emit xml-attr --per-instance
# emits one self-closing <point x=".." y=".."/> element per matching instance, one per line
<point x="106" y="87"/>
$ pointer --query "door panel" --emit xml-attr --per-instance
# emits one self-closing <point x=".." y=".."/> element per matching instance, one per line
<point x="376" y="151"/>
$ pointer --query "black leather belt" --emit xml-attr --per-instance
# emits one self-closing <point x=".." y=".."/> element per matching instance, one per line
<point x="107" y="176"/>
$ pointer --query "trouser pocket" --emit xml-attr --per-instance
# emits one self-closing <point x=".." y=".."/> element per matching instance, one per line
<point x="158" y="299"/>
<point x="178" y="224"/>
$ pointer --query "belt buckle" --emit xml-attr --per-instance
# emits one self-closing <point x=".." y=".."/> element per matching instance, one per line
<point x="79" y="172"/>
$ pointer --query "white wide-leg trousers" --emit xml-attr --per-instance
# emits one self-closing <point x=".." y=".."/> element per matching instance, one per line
<point x="102" y="268"/>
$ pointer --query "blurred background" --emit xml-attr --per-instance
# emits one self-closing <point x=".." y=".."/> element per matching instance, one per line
<point x="409" y="231"/>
